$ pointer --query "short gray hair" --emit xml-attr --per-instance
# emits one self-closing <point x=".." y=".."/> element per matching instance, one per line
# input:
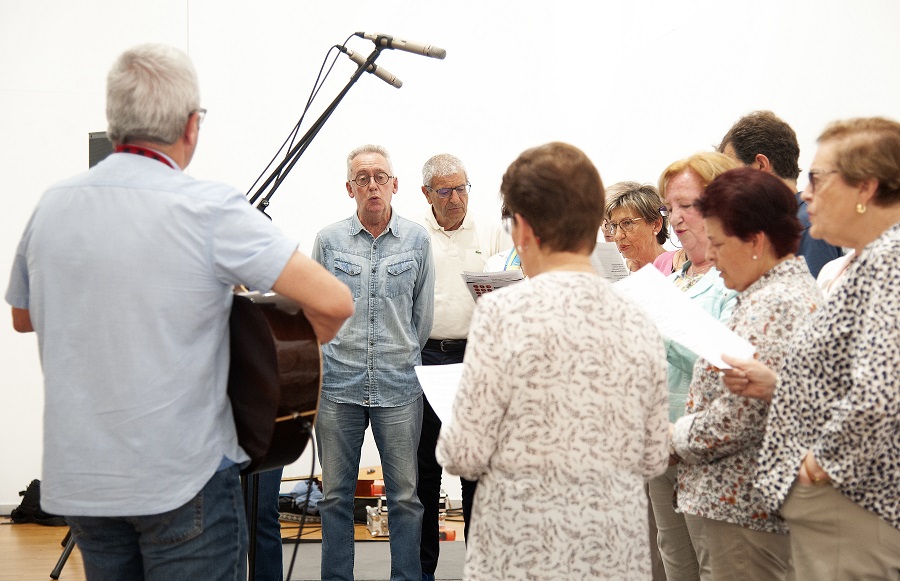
<point x="440" y="165"/>
<point x="151" y="92"/>
<point x="643" y="199"/>
<point x="369" y="148"/>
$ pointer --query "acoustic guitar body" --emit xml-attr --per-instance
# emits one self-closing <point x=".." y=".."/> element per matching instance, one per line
<point x="274" y="380"/>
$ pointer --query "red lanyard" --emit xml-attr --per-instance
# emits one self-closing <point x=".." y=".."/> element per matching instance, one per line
<point x="138" y="150"/>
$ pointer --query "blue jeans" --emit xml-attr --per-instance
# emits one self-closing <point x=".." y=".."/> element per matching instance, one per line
<point x="269" y="555"/>
<point x="340" y="429"/>
<point x="206" y="538"/>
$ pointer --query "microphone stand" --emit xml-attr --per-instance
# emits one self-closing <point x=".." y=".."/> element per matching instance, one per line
<point x="279" y="173"/>
<point x="251" y="489"/>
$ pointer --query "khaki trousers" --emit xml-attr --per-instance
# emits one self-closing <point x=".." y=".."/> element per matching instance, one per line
<point x="729" y="551"/>
<point x="673" y="538"/>
<point x="833" y="538"/>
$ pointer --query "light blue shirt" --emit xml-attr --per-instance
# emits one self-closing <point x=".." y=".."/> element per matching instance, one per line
<point x="371" y="361"/>
<point x="711" y="295"/>
<point x="127" y="271"/>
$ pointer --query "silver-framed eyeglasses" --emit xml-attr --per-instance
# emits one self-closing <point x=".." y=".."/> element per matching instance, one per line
<point x="447" y="192"/>
<point x="814" y="174"/>
<point x="201" y="115"/>
<point x="362" y="180"/>
<point x="627" y="225"/>
<point x="508" y="222"/>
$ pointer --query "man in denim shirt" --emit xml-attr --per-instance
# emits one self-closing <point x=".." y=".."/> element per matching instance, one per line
<point x="368" y="369"/>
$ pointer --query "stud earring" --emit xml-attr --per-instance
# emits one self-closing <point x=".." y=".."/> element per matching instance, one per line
<point x="755" y="257"/>
<point x="860" y="209"/>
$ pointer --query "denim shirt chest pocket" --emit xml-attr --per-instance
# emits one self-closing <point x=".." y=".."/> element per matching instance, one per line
<point x="349" y="274"/>
<point x="401" y="278"/>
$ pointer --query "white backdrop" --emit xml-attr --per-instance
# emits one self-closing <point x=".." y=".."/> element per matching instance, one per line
<point x="636" y="85"/>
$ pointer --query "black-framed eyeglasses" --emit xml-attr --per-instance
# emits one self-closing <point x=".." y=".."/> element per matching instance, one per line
<point x="447" y="192"/>
<point x="627" y="225"/>
<point x="362" y="180"/>
<point x="814" y="174"/>
<point x="201" y="114"/>
<point x="508" y="222"/>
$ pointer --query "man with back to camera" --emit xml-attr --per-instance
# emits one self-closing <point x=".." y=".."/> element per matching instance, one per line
<point x="459" y="243"/>
<point x="140" y="448"/>
<point x="368" y="370"/>
<point x="764" y="141"/>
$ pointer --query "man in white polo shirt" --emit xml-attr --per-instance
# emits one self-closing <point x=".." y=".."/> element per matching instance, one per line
<point x="459" y="242"/>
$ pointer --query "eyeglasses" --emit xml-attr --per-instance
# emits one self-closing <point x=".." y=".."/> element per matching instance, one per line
<point x="447" y="192"/>
<point x="362" y="180"/>
<point x="508" y="222"/>
<point x="627" y="225"/>
<point x="201" y="114"/>
<point x="814" y="177"/>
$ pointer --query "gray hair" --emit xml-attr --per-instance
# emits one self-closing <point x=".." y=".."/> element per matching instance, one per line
<point x="440" y="165"/>
<point x="151" y="92"/>
<point x="369" y="148"/>
<point x="643" y="199"/>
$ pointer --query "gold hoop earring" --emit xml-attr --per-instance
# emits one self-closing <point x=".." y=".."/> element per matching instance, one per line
<point x="860" y="208"/>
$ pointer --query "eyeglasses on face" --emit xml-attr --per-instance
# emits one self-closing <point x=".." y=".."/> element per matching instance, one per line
<point x="447" y="192"/>
<point x="201" y="115"/>
<point x="362" y="180"/>
<point x="508" y="222"/>
<point x="627" y="225"/>
<point x="814" y="174"/>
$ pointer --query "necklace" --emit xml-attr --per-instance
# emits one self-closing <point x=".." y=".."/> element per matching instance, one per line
<point x="694" y="271"/>
<point x="689" y="278"/>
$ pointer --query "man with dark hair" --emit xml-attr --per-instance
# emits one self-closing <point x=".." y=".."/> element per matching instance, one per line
<point x="762" y="140"/>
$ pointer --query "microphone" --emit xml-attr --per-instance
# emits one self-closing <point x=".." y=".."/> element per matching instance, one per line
<point x="380" y="72"/>
<point x="409" y="46"/>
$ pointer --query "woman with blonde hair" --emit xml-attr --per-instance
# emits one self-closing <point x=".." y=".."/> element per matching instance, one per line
<point x="681" y="185"/>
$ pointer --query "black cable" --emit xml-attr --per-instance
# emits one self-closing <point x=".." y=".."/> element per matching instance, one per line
<point x="317" y="86"/>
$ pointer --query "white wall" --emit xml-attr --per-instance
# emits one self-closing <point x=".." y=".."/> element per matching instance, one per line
<point x="636" y="85"/>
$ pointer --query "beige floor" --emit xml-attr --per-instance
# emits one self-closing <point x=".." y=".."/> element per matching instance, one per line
<point x="29" y="551"/>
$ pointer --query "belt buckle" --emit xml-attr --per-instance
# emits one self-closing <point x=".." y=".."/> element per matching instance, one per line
<point x="450" y="345"/>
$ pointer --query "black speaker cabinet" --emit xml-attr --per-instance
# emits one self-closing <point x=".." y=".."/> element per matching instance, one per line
<point x="99" y="147"/>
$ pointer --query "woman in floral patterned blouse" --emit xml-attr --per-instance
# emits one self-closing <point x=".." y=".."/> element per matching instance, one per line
<point x="751" y="221"/>
<point x="559" y="419"/>
<point x="830" y="459"/>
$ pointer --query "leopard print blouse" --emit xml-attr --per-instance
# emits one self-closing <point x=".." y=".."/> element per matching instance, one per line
<point x="838" y="393"/>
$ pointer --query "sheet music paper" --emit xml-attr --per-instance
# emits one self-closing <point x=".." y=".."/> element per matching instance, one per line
<point x="609" y="262"/>
<point x="440" y="384"/>
<point x="479" y="283"/>
<point x="680" y="319"/>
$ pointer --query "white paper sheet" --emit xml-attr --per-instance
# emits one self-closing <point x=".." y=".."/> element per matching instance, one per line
<point x="678" y="318"/>
<point x="608" y="262"/>
<point x="480" y="283"/>
<point x="440" y="384"/>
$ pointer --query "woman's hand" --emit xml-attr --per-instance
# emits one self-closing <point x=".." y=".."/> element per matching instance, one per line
<point x="811" y="473"/>
<point x="749" y="378"/>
